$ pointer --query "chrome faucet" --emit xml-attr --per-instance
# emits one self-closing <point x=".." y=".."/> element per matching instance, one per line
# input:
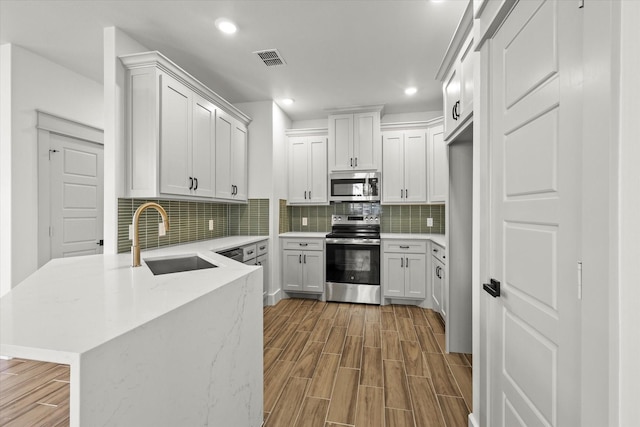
<point x="135" y="249"/>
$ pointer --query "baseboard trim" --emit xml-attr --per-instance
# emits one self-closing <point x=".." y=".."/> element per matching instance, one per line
<point x="272" y="299"/>
<point x="472" y="421"/>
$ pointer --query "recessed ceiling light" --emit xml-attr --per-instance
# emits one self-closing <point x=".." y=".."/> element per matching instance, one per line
<point x="410" y="91"/>
<point x="226" y="26"/>
<point x="288" y="101"/>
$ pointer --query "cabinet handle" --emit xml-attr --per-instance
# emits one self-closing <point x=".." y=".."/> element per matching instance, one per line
<point x="351" y="159"/>
<point x="406" y="193"/>
<point x="404" y="247"/>
<point x="196" y="180"/>
<point x="401" y="193"/>
<point x="407" y="263"/>
<point x="493" y="288"/>
<point x="262" y="247"/>
<point x="249" y="252"/>
<point x="191" y="184"/>
<point x="305" y="195"/>
<point x="309" y="194"/>
<point x="300" y="259"/>
<point x="435" y="250"/>
<point x="401" y="262"/>
<point x="303" y="244"/>
<point x="305" y="258"/>
<point x="356" y="162"/>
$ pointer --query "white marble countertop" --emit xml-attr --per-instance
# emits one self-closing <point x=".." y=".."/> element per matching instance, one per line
<point x="72" y="305"/>
<point x="436" y="238"/>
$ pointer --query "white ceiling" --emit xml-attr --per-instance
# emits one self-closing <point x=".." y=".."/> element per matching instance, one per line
<point x="338" y="52"/>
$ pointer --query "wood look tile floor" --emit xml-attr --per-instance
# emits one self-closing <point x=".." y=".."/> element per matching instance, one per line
<point x="338" y="365"/>
<point x="325" y="365"/>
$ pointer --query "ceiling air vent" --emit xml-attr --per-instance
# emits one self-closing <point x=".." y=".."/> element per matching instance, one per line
<point x="271" y="57"/>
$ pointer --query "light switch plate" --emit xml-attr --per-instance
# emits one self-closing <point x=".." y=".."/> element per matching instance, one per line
<point x="304" y="220"/>
<point x="429" y="222"/>
<point x="210" y="225"/>
<point x="161" y="230"/>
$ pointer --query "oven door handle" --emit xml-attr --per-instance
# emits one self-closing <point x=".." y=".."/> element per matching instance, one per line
<point x="338" y="241"/>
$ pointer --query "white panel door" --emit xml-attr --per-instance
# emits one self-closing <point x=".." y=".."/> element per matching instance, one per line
<point x="535" y="217"/>
<point x="298" y="172"/>
<point x="312" y="271"/>
<point x="175" y="138"/>
<point x="317" y="177"/>
<point x="341" y="142"/>
<point x="415" y="166"/>
<point x="438" y="166"/>
<point x="415" y="276"/>
<point x="224" y="128"/>
<point x="292" y="270"/>
<point x="393" y="278"/>
<point x="365" y="141"/>
<point x="393" y="167"/>
<point x="77" y="197"/>
<point x="203" y="147"/>
<point x="239" y="161"/>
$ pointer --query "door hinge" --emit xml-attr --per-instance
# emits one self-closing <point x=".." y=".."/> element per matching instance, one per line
<point x="579" y="280"/>
<point x="580" y="4"/>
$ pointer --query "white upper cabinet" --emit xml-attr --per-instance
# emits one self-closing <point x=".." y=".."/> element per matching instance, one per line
<point x="172" y="134"/>
<point x="414" y="162"/>
<point x="438" y="165"/>
<point x="354" y="141"/>
<point x="456" y="74"/>
<point x="231" y="158"/>
<point x="307" y="169"/>
<point x="404" y="165"/>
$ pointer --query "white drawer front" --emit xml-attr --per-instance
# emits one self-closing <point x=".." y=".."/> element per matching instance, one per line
<point x="408" y="246"/>
<point x="250" y="251"/>
<point x="439" y="252"/>
<point x="303" y="244"/>
<point x="263" y="247"/>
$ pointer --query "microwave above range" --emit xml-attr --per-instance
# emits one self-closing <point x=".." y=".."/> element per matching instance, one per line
<point x="354" y="187"/>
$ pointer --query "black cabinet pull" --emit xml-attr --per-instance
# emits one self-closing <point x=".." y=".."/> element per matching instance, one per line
<point x="305" y="195"/>
<point x="493" y="288"/>
<point x="262" y="247"/>
<point x="191" y="184"/>
<point x="249" y="252"/>
<point x="401" y="262"/>
<point x="406" y="264"/>
<point x="351" y="159"/>
<point x="303" y="244"/>
<point x="356" y="162"/>
<point x="401" y="193"/>
<point x="305" y="258"/>
<point x="435" y="250"/>
<point x="309" y="194"/>
<point x="404" y="247"/>
<point x="300" y="259"/>
<point x="406" y="193"/>
<point x="196" y="180"/>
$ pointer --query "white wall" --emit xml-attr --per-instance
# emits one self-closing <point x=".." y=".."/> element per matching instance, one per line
<point x="260" y="147"/>
<point x="5" y="168"/>
<point x="310" y="124"/>
<point x="410" y="117"/>
<point x="36" y="84"/>
<point x="281" y="122"/>
<point x="116" y="43"/>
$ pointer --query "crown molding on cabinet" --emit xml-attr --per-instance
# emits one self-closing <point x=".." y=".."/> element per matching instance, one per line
<point x="459" y="36"/>
<point x="307" y="132"/>
<point x="156" y="59"/>
<point x="356" y="109"/>
<point x="410" y="125"/>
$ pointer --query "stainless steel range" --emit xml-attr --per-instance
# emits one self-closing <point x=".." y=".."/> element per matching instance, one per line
<point x="353" y="259"/>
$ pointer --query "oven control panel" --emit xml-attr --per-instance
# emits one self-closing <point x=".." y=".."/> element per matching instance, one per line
<point x="355" y="219"/>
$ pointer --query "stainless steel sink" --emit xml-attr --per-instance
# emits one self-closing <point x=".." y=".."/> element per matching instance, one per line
<point x="166" y="265"/>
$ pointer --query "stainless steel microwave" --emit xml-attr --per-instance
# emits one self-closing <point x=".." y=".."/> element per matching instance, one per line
<point x="354" y="187"/>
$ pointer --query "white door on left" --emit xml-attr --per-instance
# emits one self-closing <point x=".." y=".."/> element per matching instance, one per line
<point x="77" y="188"/>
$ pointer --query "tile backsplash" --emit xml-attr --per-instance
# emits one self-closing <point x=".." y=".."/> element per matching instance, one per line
<point x="189" y="221"/>
<point x="395" y="218"/>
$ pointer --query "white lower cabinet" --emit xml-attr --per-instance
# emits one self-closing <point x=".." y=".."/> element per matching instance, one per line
<point x="404" y="269"/>
<point x="439" y="291"/>
<point x="303" y="265"/>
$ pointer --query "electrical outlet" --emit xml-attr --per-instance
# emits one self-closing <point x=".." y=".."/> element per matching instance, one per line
<point x="210" y="225"/>
<point x="130" y="231"/>
<point x="429" y="222"/>
<point x="161" y="230"/>
<point x="304" y="221"/>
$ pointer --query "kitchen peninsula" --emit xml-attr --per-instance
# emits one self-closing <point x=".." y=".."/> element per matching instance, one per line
<point x="166" y="350"/>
